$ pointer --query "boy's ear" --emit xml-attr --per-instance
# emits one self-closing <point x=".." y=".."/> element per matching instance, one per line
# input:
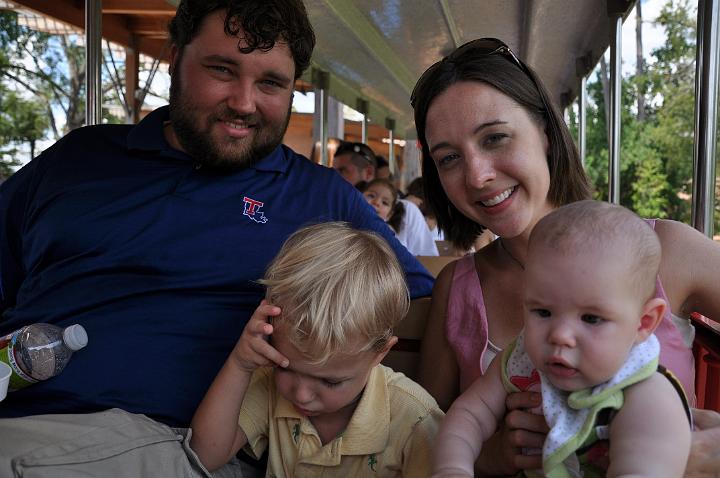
<point x="653" y="312"/>
<point x="390" y="344"/>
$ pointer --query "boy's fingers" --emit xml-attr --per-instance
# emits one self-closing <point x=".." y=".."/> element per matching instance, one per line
<point x="259" y="327"/>
<point x="266" y="310"/>
<point x="271" y="354"/>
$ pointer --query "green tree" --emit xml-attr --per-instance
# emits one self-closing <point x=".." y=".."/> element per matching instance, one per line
<point x="656" y="152"/>
<point x="42" y="87"/>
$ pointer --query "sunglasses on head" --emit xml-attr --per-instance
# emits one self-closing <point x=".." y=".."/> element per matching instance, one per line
<point x="482" y="46"/>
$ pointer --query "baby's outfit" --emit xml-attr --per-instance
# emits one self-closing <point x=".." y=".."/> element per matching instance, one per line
<point x="576" y="445"/>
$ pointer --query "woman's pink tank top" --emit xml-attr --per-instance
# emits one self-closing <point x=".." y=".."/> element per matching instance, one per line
<point x="466" y="328"/>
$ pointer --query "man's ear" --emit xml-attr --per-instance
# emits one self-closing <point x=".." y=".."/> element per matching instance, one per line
<point x="653" y="312"/>
<point x="390" y="344"/>
<point x="173" y="57"/>
<point x="369" y="173"/>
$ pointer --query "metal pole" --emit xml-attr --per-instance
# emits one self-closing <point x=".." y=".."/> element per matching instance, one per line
<point x="615" y="96"/>
<point x="706" y="93"/>
<point x="321" y="80"/>
<point x="582" y="118"/>
<point x="93" y="51"/>
<point x="390" y="125"/>
<point x="363" y="107"/>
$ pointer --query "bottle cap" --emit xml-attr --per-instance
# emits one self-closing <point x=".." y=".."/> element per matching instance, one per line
<point x="75" y="337"/>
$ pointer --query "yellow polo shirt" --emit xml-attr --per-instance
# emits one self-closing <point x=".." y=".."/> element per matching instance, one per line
<point x="391" y="432"/>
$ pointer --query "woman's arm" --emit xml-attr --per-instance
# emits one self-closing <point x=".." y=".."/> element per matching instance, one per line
<point x="704" y="461"/>
<point x="689" y="269"/>
<point x="439" y="373"/>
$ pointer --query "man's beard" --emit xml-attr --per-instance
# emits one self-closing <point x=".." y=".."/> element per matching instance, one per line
<point x="232" y="154"/>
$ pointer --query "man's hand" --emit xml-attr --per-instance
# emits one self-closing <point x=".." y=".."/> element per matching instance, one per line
<point x="704" y="461"/>
<point x="253" y="349"/>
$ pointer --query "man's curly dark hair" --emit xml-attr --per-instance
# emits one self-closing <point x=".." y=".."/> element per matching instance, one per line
<point x="262" y="23"/>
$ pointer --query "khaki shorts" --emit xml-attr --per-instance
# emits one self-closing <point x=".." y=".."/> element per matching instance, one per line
<point x="109" y="444"/>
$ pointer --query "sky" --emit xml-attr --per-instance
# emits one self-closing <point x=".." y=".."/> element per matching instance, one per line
<point x="653" y="36"/>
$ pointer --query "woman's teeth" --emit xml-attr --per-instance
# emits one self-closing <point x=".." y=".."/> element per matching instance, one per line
<point x="499" y="198"/>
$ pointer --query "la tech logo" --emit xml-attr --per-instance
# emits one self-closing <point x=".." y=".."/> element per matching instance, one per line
<point x="252" y="210"/>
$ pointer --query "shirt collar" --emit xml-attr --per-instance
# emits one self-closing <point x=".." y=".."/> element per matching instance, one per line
<point x="369" y="428"/>
<point x="148" y="135"/>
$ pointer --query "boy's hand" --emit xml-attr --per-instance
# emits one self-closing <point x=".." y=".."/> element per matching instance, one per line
<point x="253" y="350"/>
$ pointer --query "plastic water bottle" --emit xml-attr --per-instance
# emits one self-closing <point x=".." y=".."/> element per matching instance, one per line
<point x="39" y="351"/>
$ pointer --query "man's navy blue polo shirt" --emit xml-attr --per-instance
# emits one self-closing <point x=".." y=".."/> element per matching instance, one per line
<point x="156" y="257"/>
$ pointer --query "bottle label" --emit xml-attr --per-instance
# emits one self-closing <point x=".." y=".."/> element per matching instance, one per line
<point x="18" y="379"/>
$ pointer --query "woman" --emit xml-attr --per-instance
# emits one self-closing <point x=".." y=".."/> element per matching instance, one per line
<point x="497" y="155"/>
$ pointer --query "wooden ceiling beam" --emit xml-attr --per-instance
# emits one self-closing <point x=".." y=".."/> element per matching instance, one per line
<point x="146" y="25"/>
<point x="68" y="11"/>
<point x="154" y="47"/>
<point x="138" y="7"/>
<point x="114" y="27"/>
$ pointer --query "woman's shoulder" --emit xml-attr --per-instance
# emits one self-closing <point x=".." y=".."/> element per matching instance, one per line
<point x="681" y="244"/>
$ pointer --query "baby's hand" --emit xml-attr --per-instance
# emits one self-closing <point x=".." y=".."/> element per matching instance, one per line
<point x="253" y="350"/>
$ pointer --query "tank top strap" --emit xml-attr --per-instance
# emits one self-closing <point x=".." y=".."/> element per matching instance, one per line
<point x="466" y="321"/>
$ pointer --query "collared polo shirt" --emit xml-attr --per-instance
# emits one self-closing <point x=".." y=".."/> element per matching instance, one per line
<point x="157" y="257"/>
<point x="390" y="433"/>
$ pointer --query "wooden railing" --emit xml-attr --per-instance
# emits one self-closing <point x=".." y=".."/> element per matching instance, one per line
<point x="707" y="362"/>
<point x="405" y="356"/>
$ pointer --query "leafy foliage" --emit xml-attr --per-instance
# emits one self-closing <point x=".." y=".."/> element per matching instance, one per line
<point x="656" y="155"/>
<point x="42" y="88"/>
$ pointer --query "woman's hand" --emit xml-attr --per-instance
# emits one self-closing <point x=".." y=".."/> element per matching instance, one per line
<point x="503" y="454"/>
<point x="704" y="461"/>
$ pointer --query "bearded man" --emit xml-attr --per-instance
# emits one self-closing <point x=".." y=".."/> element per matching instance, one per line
<point x="153" y="237"/>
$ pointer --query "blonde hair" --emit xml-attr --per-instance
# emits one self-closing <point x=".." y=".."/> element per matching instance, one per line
<point x="340" y="290"/>
<point x="594" y="225"/>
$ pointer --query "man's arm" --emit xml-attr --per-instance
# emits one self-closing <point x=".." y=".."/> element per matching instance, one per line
<point x="13" y="200"/>
<point x="419" y="280"/>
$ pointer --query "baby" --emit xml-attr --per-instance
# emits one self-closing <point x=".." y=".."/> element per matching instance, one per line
<point x="588" y="342"/>
<point x="305" y="381"/>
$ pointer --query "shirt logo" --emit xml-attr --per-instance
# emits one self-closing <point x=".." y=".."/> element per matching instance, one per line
<point x="252" y="210"/>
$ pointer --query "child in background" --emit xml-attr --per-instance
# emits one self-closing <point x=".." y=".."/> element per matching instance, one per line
<point x="305" y="381"/>
<point x="402" y="216"/>
<point x="384" y="197"/>
<point x="588" y="343"/>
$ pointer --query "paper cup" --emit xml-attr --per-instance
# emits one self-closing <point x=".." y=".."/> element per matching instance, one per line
<point x="5" y="373"/>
